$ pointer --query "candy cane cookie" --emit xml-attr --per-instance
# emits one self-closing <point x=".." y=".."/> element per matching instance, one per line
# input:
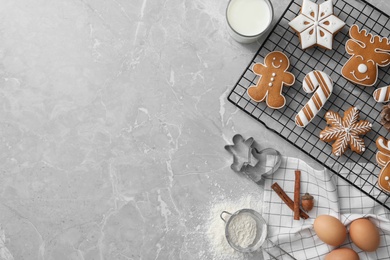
<point x="322" y="84"/>
<point x="382" y="94"/>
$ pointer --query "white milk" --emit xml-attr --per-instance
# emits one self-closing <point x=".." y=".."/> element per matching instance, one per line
<point x="248" y="18"/>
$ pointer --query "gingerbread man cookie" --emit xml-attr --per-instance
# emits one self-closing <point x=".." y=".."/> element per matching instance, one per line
<point x="383" y="159"/>
<point x="273" y="75"/>
<point x="345" y="131"/>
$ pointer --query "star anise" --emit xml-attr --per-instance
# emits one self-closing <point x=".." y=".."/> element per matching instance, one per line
<point x="345" y="131"/>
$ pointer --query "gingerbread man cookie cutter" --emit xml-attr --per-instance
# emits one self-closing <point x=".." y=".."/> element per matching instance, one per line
<point x="273" y="75"/>
<point x="252" y="162"/>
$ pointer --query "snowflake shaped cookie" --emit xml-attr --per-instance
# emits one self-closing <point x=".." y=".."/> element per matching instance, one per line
<point x="316" y="24"/>
<point x="345" y="131"/>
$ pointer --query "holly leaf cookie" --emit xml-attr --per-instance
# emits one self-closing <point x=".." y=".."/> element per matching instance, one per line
<point x="345" y="132"/>
<point x="316" y="24"/>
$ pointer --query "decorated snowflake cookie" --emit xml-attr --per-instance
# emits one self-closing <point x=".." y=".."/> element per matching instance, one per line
<point x="345" y="131"/>
<point x="316" y="24"/>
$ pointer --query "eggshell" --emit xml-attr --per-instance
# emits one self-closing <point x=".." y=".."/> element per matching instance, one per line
<point x="342" y="254"/>
<point x="330" y="230"/>
<point x="364" y="234"/>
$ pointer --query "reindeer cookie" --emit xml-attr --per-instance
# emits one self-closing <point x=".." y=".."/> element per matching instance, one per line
<point x="273" y="75"/>
<point x="368" y="53"/>
<point x="383" y="159"/>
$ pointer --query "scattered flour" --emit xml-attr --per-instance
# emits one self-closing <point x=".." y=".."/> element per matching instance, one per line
<point x="215" y="227"/>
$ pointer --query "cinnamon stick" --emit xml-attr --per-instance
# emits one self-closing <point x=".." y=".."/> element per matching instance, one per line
<point x="297" y="190"/>
<point x="286" y="199"/>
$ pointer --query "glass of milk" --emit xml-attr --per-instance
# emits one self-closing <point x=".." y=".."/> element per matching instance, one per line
<point x="248" y="19"/>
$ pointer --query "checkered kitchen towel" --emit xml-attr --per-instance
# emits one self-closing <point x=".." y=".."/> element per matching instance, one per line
<point x="333" y="196"/>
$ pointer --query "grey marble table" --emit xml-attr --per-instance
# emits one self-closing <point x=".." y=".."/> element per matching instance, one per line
<point x="113" y="119"/>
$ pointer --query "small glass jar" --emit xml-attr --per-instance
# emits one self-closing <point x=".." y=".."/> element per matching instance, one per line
<point x="248" y="19"/>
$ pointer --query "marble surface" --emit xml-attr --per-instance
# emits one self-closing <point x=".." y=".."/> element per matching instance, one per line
<point x="113" y="121"/>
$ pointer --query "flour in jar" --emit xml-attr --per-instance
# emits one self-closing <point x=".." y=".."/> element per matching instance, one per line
<point x="242" y="230"/>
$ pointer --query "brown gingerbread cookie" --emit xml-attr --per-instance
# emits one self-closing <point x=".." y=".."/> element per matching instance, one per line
<point x="346" y="131"/>
<point x="383" y="155"/>
<point x="383" y="159"/>
<point x="368" y="53"/>
<point x="384" y="178"/>
<point x="273" y="75"/>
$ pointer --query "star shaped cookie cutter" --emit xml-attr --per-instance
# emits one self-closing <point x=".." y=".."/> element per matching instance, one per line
<point x="248" y="160"/>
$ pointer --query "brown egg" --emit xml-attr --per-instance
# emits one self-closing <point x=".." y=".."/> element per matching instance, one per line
<point x="364" y="234"/>
<point x="330" y="230"/>
<point x="342" y="254"/>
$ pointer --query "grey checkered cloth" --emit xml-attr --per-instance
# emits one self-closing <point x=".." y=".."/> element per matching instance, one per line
<point x="333" y="196"/>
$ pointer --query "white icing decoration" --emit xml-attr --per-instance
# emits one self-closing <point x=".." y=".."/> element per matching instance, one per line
<point x="387" y="178"/>
<point x="276" y="67"/>
<point x="272" y="79"/>
<point x="301" y="23"/>
<point x="383" y="94"/>
<point x="362" y="68"/>
<point x="356" y="78"/>
<point x="308" y="7"/>
<point x="326" y="8"/>
<point x="273" y="74"/>
<point x="332" y="24"/>
<point x="307" y="39"/>
<point x="322" y="84"/>
<point x="326" y="40"/>
<point x="270" y="84"/>
<point x="316" y="20"/>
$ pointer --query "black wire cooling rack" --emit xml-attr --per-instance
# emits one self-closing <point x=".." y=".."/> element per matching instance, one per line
<point x="360" y="171"/>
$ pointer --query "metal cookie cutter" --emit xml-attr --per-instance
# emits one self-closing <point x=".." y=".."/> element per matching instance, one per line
<point x="247" y="159"/>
